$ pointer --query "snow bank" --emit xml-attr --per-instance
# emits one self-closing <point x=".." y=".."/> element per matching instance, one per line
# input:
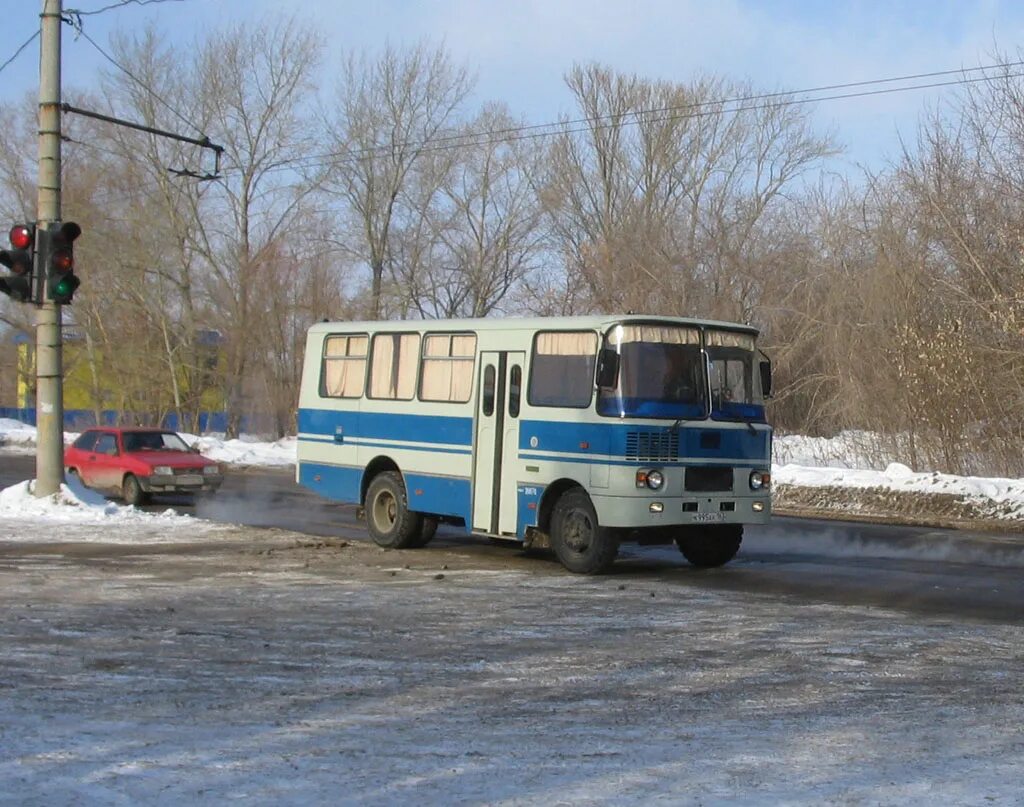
<point x="245" y="450"/>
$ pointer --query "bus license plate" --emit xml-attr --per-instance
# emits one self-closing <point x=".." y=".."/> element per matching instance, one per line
<point x="705" y="517"/>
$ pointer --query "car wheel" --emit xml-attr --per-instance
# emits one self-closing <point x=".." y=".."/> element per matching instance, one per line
<point x="131" y="491"/>
<point x="581" y="544"/>
<point x="390" y="522"/>
<point x="711" y="546"/>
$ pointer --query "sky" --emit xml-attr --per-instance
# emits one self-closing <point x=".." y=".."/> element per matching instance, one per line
<point x="520" y="49"/>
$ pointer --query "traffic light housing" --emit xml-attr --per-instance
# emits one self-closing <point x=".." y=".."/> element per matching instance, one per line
<point x="59" y="260"/>
<point x="20" y="260"/>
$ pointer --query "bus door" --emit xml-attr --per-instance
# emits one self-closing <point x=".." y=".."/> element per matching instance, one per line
<point x="496" y="459"/>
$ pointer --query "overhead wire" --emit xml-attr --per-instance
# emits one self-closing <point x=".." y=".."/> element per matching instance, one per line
<point x="21" y="47"/>
<point x="112" y="6"/>
<point x="635" y="117"/>
<point x="149" y="90"/>
<point x="777" y="99"/>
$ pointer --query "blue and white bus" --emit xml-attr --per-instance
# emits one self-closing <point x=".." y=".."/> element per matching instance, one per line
<point x="571" y="433"/>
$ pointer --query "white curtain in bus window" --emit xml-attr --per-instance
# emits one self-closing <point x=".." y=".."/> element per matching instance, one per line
<point x="344" y="366"/>
<point x="730" y="339"/>
<point x="393" y="367"/>
<point x="562" y="371"/>
<point x="448" y="367"/>
<point x="732" y="366"/>
<point x="654" y="334"/>
<point x="654" y="371"/>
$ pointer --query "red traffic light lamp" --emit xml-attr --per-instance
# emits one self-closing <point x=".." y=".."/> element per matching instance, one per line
<point x="19" y="260"/>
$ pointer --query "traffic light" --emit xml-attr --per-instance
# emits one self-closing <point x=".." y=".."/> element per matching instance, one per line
<point x="18" y="285"/>
<point x="59" y="260"/>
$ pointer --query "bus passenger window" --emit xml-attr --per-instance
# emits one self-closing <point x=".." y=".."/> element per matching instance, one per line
<point x="515" y="384"/>
<point x="489" y="390"/>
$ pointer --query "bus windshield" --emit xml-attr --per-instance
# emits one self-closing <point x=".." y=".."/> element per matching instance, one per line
<point x="661" y="373"/>
<point x="735" y="376"/>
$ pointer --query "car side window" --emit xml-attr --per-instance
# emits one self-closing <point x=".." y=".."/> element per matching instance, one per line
<point x="106" y="445"/>
<point x="86" y="441"/>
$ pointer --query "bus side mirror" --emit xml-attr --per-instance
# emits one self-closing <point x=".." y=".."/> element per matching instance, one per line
<point x="607" y="369"/>
<point x="766" y="378"/>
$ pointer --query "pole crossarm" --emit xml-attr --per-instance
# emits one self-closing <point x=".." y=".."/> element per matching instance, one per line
<point x="202" y="142"/>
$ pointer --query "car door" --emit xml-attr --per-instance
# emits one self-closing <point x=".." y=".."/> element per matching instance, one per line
<point x="104" y="463"/>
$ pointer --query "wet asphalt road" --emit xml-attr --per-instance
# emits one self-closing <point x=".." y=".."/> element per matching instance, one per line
<point x="939" y="573"/>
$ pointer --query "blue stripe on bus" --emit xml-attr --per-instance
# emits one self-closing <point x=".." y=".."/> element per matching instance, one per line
<point x="690" y="462"/>
<point x="609" y="439"/>
<point x="388" y="426"/>
<point x="704" y="441"/>
<point x="358" y="441"/>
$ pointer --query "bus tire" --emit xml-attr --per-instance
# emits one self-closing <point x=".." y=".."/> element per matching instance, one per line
<point x="427" y="531"/>
<point x="390" y="522"/>
<point x="579" y="542"/>
<point x="711" y="546"/>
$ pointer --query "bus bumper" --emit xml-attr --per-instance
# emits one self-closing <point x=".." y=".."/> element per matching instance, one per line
<point x="638" y="512"/>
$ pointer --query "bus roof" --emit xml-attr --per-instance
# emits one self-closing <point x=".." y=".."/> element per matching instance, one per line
<point x="599" y="322"/>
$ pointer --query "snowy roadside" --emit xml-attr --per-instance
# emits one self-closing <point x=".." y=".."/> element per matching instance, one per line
<point x="818" y="477"/>
<point x="834" y="477"/>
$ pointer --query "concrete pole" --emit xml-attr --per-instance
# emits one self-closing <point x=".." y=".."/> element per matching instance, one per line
<point x="49" y="370"/>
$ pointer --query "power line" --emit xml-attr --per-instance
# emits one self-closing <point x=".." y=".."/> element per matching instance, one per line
<point x="81" y="31"/>
<point x="22" y="47"/>
<point x="661" y="114"/>
<point x="82" y="13"/>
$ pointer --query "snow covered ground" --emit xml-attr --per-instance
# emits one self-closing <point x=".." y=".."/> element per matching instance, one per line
<point x="264" y="670"/>
<point x="845" y="462"/>
<point x="161" y="659"/>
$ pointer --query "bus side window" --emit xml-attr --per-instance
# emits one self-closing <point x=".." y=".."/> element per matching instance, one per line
<point x="489" y="377"/>
<point x="515" y="385"/>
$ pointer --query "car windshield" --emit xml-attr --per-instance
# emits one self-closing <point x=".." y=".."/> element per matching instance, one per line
<point x="153" y="441"/>
<point x="735" y="376"/>
<point x="661" y="373"/>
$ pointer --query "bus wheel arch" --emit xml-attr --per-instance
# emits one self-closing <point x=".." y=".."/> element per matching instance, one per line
<point x="552" y="493"/>
<point x="374" y="468"/>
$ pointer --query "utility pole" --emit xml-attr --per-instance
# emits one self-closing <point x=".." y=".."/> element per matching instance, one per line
<point x="49" y="369"/>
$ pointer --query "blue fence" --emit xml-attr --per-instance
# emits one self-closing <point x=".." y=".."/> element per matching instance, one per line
<point x="77" y="419"/>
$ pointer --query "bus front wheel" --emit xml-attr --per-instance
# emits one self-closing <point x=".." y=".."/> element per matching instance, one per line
<point x="711" y="546"/>
<point x="580" y="543"/>
<point x="390" y="522"/>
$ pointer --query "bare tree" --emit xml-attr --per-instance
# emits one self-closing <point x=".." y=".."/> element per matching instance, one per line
<point x="471" y="228"/>
<point x="390" y="109"/>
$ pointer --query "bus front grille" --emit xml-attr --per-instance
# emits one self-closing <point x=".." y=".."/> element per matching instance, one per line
<point x="708" y="479"/>
<point x="661" y="446"/>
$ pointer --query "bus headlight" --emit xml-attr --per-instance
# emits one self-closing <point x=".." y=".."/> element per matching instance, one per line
<point x="760" y="480"/>
<point x="655" y="480"/>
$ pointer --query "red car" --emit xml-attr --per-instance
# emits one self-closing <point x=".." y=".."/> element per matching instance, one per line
<point x="139" y="462"/>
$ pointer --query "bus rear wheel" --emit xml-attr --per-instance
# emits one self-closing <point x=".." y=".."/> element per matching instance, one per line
<point x="428" y="530"/>
<point x="390" y="522"/>
<point x="580" y="543"/>
<point x="711" y="546"/>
